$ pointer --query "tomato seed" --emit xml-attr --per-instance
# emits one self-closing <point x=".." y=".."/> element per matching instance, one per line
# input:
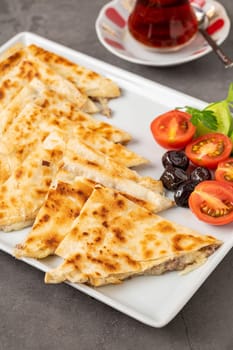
<point x="217" y="212"/>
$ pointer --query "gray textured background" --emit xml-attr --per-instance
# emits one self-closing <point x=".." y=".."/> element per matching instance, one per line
<point x="37" y="316"/>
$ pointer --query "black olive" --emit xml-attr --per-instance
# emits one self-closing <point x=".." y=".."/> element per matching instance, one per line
<point x="177" y="159"/>
<point x="172" y="177"/>
<point x="183" y="192"/>
<point x="200" y="174"/>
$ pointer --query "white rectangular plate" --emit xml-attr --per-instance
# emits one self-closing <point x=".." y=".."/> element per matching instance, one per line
<point x="153" y="300"/>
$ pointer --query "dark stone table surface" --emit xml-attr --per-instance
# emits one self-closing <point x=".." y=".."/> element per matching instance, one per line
<point x="35" y="316"/>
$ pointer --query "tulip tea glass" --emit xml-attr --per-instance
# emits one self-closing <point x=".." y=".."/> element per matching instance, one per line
<point x="164" y="25"/>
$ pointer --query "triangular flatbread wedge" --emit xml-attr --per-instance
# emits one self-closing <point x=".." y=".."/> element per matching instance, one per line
<point x="8" y="114"/>
<point x="82" y="160"/>
<point x="85" y="79"/>
<point x="20" y="64"/>
<point x="116" y="151"/>
<point x="33" y="133"/>
<point x="14" y="80"/>
<point x="23" y="193"/>
<point x="10" y="58"/>
<point x="26" y="132"/>
<point x="62" y="205"/>
<point x="34" y="123"/>
<point x="114" y="238"/>
<point x="37" y="92"/>
<point x="23" y="71"/>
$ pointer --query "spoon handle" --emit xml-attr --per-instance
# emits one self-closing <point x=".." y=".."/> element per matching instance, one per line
<point x="221" y="55"/>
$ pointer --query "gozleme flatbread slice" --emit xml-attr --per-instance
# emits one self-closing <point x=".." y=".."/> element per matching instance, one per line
<point x="83" y="160"/>
<point x="114" y="238"/>
<point x="25" y="70"/>
<point x="37" y="92"/>
<point x="14" y="80"/>
<point x="63" y="107"/>
<point x="34" y="123"/>
<point x="19" y="65"/>
<point x="24" y="134"/>
<point x="20" y="139"/>
<point x="8" y="162"/>
<point x="36" y="147"/>
<point x="62" y="205"/>
<point x="91" y="82"/>
<point x="10" y="58"/>
<point x="116" y="151"/>
<point x="69" y="130"/>
<point x="23" y="193"/>
<point x="8" y="114"/>
<point x="63" y="86"/>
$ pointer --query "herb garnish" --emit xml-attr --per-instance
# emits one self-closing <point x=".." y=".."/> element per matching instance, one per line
<point x="205" y="117"/>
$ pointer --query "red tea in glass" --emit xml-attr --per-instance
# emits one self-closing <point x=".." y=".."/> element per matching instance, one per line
<point x="163" y="24"/>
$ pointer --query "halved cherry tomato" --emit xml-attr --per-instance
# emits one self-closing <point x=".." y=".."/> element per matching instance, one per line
<point x="173" y="130"/>
<point x="224" y="171"/>
<point x="208" y="150"/>
<point x="212" y="202"/>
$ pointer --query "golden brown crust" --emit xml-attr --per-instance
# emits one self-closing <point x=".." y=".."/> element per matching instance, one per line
<point x="43" y="120"/>
<point x="114" y="238"/>
<point x="54" y="219"/>
<point x="91" y="82"/>
<point x="83" y="160"/>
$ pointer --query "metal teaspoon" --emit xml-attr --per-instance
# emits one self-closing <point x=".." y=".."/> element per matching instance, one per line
<point x="202" y="24"/>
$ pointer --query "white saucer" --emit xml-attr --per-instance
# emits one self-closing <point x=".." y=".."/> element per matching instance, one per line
<point x="111" y="28"/>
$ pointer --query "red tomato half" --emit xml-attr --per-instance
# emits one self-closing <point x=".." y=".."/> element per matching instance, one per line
<point x="173" y="130"/>
<point x="224" y="171"/>
<point x="212" y="202"/>
<point x="208" y="150"/>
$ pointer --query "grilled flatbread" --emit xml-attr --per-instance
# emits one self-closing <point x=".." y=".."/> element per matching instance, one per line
<point x="24" y="70"/>
<point x="43" y="115"/>
<point x="116" y="151"/>
<point x="33" y="133"/>
<point x="62" y="205"/>
<point x="91" y="82"/>
<point x="56" y="103"/>
<point x="114" y="238"/>
<point x="37" y="92"/>
<point x="8" y="114"/>
<point x="14" y="80"/>
<point x="62" y="86"/>
<point x="83" y="160"/>
<point x="23" y="193"/>
<point x="20" y="64"/>
<point x="23" y="135"/>
<point x="17" y="48"/>
<point x="32" y="125"/>
<point x="9" y="59"/>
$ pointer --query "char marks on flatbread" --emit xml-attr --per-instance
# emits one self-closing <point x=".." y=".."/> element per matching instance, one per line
<point x="62" y="205"/>
<point x="34" y="123"/>
<point x="55" y="103"/>
<point x="24" y="191"/>
<point x="36" y="131"/>
<point x="83" y="160"/>
<point x="23" y="64"/>
<point x="114" y="238"/>
<point x="55" y="218"/>
<point x="19" y="74"/>
<point x="85" y="79"/>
